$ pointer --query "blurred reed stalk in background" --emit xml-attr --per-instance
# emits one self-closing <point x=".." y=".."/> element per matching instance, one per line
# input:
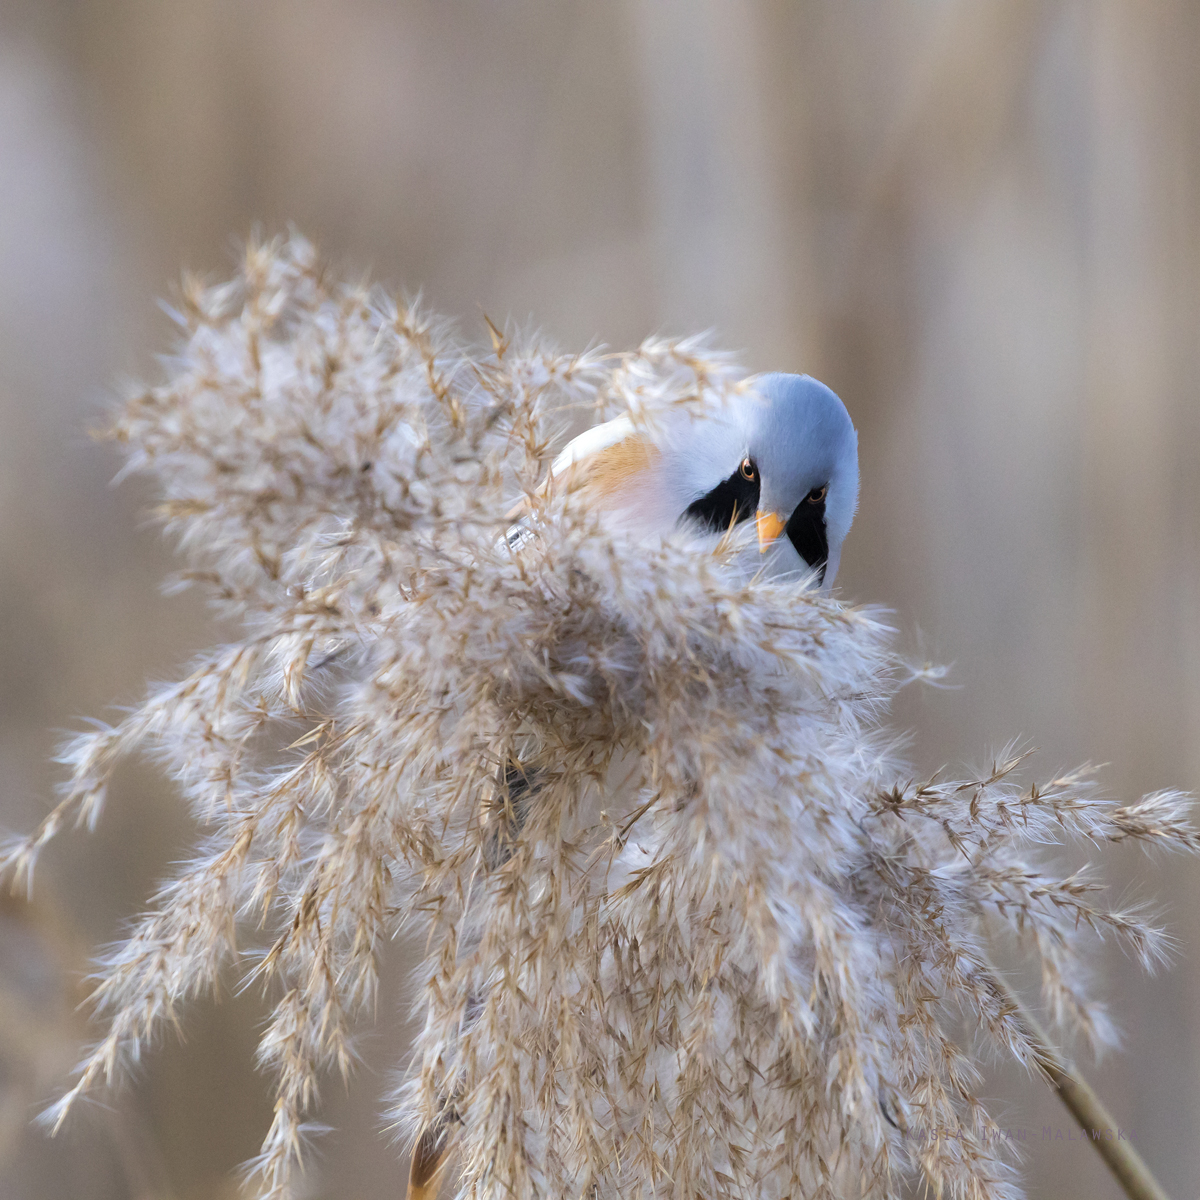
<point x="727" y="946"/>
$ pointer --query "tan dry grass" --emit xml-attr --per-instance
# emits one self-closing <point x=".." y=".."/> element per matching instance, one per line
<point x="725" y="946"/>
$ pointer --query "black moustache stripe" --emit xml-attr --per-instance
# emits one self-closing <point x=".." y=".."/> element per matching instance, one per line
<point x="806" y="531"/>
<point x="731" y="502"/>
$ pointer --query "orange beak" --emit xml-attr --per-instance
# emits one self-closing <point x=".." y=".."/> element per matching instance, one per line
<point x="770" y="526"/>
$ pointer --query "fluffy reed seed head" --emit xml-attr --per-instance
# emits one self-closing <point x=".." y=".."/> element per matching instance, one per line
<point x="722" y="948"/>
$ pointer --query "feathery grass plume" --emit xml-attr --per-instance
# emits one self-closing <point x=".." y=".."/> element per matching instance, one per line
<point x="690" y="932"/>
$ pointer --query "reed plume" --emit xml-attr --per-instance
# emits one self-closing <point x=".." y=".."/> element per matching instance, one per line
<point x="691" y="929"/>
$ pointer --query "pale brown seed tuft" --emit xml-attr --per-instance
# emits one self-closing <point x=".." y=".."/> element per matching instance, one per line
<point x="691" y="930"/>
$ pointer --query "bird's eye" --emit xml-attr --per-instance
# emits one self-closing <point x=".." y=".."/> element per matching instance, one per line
<point x="817" y="494"/>
<point x="748" y="469"/>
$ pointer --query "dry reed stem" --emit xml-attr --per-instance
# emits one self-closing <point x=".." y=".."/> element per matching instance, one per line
<point x="1127" y="1165"/>
<point x="725" y="947"/>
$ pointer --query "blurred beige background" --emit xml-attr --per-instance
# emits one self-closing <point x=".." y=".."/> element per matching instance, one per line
<point x="978" y="221"/>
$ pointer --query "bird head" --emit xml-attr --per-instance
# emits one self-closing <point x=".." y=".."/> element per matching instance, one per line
<point x="802" y="448"/>
<point x="785" y="453"/>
